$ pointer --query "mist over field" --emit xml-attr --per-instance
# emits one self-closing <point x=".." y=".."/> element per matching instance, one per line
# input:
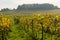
<point x="31" y="8"/>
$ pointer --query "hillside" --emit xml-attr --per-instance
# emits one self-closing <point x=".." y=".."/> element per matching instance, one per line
<point x="33" y="7"/>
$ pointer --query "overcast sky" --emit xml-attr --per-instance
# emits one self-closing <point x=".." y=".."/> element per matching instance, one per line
<point x="14" y="3"/>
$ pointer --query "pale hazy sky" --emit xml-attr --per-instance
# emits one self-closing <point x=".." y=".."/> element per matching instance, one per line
<point x="14" y="3"/>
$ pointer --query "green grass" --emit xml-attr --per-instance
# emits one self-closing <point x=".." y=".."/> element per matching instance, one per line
<point x="19" y="34"/>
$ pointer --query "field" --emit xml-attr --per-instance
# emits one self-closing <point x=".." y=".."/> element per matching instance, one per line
<point x="36" y="26"/>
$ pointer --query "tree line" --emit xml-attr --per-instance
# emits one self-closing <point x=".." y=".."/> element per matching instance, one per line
<point x="33" y="7"/>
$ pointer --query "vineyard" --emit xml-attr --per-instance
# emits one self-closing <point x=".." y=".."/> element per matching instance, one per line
<point x="30" y="27"/>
